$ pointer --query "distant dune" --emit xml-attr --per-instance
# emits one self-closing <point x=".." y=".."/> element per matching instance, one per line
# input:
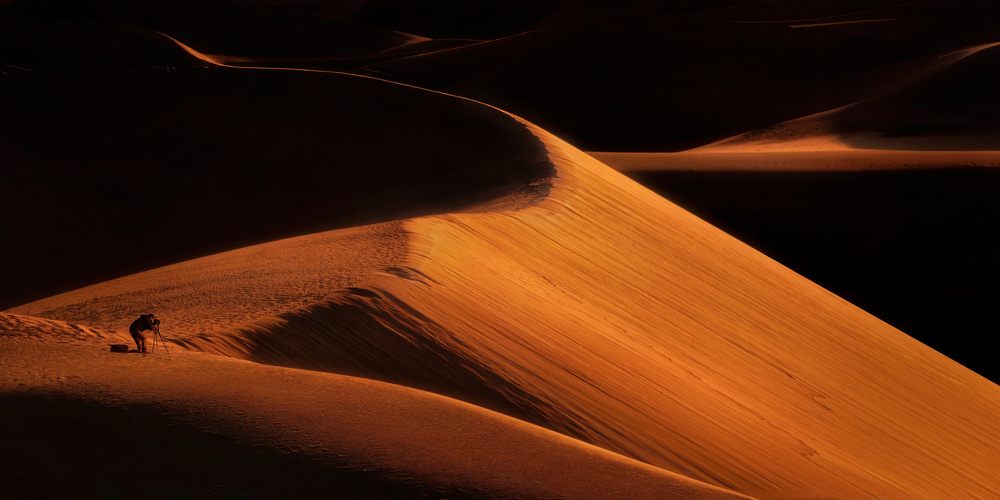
<point x="410" y="282"/>
<point x="658" y="77"/>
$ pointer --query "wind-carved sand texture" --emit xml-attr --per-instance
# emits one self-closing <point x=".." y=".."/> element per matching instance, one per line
<point x="360" y="435"/>
<point x="693" y="353"/>
<point x="189" y="425"/>
<point x="234" y="287"/>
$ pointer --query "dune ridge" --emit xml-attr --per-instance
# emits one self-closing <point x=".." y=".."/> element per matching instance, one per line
<point x="544" y="285"/>
<point x="881" y="123"/>
<point x="907" y="125"/>
<point x="696" y="353"/>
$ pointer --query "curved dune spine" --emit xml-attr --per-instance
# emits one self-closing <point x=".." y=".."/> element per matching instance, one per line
<point x="612" y="315"/>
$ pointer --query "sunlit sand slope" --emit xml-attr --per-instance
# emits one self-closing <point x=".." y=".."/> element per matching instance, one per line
<point x="83" y="422"/>
<point x="610" y="314"/>
<point x="236" y="287"/>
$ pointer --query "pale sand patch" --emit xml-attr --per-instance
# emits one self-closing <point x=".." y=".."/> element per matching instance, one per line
<point x="233" y="288"/>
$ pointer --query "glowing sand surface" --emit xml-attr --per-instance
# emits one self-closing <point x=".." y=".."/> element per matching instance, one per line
<point x="600" y="311"/>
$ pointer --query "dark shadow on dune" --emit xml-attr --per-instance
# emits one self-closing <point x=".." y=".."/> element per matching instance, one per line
<point x="955" y="109"/>
<point x="916" y="248"/>
<point x="372" y="334"/>
<point x="231" y="27"/>
<point x="61" y="446"/>
<point x="110" y="171"/>
<point x="653" y="76"/>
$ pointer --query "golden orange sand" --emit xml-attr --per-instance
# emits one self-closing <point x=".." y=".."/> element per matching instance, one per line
<point x="609" y="314"/>
<point x="232" y="288"/>
<point x="432" y="445"/>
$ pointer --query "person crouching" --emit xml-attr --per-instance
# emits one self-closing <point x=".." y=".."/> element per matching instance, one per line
<point x="145" y="322"/>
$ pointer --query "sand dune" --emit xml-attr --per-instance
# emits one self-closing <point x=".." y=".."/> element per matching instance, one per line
<point x="658" y="77"/>
<point x="694" y="353"/>
<point x="893" y="192"/>
<point x="157" y="165"/>
<point x="619" y="364"/>
<point x="233" y="288"/>
<point x="528" y="321"/>
<point x="201" y="425"/>
<point x="927" y="111"/>
<point x="797" y="156"/>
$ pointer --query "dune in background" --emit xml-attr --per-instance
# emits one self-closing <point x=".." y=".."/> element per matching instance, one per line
<point x="373" y="289"/>
<point x="672" y="76"/>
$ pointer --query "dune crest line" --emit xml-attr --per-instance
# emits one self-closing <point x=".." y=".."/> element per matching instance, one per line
<point x="589" y="305"/>
<point x="610" y="314"/>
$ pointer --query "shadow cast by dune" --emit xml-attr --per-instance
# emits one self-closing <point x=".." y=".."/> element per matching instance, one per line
<point x="69" y="447"/>
<point x="955" y="109"/>
<point x="372" y="334"/>
<point x="143" y="167"/>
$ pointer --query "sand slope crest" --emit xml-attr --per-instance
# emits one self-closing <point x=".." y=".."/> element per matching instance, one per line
<point x="695" y="353"/>
<point x="609" y="314"/>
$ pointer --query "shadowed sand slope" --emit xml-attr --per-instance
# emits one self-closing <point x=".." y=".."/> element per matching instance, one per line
<point x="521" y="275"/>
<point x="654" y="76"/>
<point x="946" y="108"/>
<point x="143" y="167"/>
<point x="677" y="345"/>
<point x="79" y="419"/>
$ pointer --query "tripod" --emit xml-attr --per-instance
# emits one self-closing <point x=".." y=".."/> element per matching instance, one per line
<point x="156" y="333"/>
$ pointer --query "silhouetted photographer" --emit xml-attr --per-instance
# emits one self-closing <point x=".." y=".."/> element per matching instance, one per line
<point x="143" y="323"/>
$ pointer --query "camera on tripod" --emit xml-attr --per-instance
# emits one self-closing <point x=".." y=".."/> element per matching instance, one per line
<point x="156" y="322"/>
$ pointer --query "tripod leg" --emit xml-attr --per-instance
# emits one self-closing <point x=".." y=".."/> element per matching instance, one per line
<point x="162" y="342"/>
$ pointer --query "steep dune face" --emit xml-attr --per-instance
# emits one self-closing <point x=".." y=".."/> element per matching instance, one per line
<point x="610" y="314"/>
